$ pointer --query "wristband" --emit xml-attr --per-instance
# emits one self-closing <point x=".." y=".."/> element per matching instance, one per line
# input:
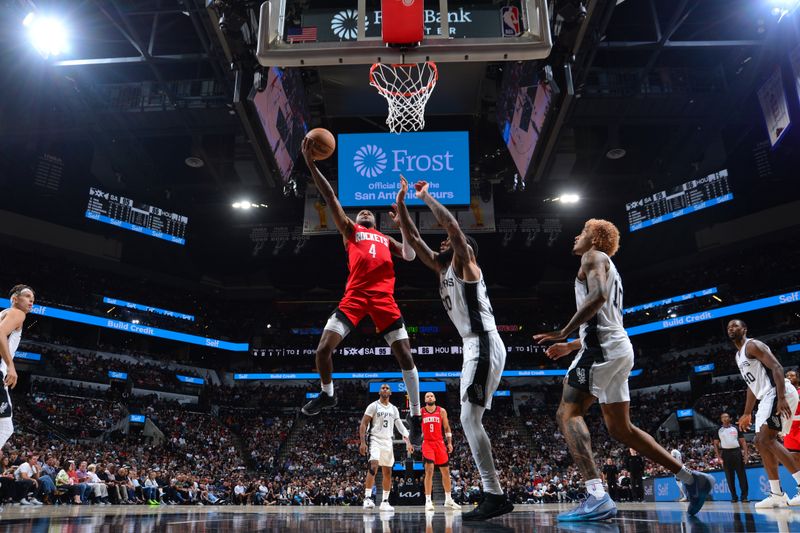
<point x="448" y="435"/>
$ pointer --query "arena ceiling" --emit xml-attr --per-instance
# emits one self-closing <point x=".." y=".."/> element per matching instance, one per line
<point x="150" y="83"/>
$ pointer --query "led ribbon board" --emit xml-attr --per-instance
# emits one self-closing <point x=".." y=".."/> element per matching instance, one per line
<point x="398" y="375"/>
<point x="27" y="356"/>
<point x="82" y="318"/>
<point x="137" y="419"/>
<point x="399" y="386"/>
<point x="698" y="369"/>
<point x="667" y="301"/>
<point x="147" y="308"/>
<point x="728" y="310"/>
<point x="189" y="379"/>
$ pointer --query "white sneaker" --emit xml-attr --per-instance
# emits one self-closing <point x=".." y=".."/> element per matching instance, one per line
<point x="451" y="504"/>
<point x="368" y="503"/>
<point x="795" y="502"/>
<point x="34" y="501"/>
<point x="24" y="501"/>
<point x="386" y="507"/>
<point x="773" y="500"/>
<point x="429" y="506"/>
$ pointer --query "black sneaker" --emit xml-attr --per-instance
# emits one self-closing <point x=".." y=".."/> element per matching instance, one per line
<point x="414" y="429"/>
<point x="323" y="401"/>
<point x="491" y="505"/>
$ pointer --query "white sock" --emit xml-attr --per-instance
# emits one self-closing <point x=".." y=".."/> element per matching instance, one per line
<point x="775" y="486"/>
<point x="796" y="477"/>
<point x="385" y="497"/>
<point x="327" y="388"/>
<point x="595" y="488"/>
<point x="684" y="475"/>
<point x="411" y="378"/>
<point x="427" y="498"/>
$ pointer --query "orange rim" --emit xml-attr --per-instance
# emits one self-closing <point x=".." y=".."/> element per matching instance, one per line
<point x="382" y="90"/>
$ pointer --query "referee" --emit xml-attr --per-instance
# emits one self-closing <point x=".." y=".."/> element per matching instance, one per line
<point x="732" y="446"/>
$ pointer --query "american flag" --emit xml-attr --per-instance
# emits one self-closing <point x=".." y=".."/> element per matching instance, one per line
<point x="305" y="34"/>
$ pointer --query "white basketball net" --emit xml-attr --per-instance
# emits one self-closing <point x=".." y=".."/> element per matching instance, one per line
<point x="406" y="89"/>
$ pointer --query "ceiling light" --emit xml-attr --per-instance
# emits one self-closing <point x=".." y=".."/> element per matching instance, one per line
<point x="47" y="35"/>
<point x="616" y="153"/>
<point x="194" y="162"/>
<point x="245" y="204"/>
<point x="569" y="198"/>
<point x="236" y="205"/>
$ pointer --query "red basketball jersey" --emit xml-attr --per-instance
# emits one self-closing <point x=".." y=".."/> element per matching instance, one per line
<point x="792" y="440"/>
<point x="370" y="261"/>
<point x="432" y="425"/>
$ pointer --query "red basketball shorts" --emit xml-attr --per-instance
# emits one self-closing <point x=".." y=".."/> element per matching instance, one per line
<point x="381" y="307"/>
<point x="435" y="452"/>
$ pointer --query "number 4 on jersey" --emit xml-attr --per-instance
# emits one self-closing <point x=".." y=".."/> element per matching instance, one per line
<point x="372" y="251"/>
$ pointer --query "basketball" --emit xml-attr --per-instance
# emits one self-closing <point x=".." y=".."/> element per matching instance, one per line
<point x="324" y="143"/>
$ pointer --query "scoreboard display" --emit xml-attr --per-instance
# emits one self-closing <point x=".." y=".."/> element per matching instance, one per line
<point x="134" y="216"/>
<point x="687" y="198"/>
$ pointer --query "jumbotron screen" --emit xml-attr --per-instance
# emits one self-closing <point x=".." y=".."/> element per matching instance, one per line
<point x="141" y="218"/>
<point x="678" y="201"/>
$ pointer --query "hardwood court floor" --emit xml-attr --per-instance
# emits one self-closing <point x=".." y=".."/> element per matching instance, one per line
<point x="632" y="518"/>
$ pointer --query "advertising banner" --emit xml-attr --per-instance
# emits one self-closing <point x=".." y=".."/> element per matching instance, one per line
<point x="370" y="165"/>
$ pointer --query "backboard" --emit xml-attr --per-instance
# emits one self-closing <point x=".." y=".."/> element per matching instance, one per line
<point x="295" y="33"/>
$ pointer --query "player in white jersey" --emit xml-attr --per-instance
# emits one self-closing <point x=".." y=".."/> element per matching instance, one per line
<point x="11" y="321"/>
<point x="463" y="293"/>
<point x="600" y="372"/>
<point x="777" y="402"/>
<point x="381" y="417"/>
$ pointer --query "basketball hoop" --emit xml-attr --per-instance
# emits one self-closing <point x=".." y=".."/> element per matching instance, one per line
<point x="407" y="88"/>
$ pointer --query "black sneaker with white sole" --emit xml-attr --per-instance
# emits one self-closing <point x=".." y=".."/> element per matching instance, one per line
<point x="323" y="401"/>
<point x="490" y="506"/>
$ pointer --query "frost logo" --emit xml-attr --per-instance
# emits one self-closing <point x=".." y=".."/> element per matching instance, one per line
<point x="370" y="161"/>
<point x="344" y="24"/>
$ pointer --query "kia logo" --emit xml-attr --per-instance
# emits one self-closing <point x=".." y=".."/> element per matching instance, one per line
<point x="370" y="161"/>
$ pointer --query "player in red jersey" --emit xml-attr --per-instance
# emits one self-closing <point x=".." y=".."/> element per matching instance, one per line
<point x="434" y="420"/>
<point x="369" y="291"/>
<point x="792" y="440"/>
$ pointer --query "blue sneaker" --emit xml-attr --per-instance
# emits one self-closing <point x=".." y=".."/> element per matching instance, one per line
<point x="698" y="491"/>
<point x="591" y="509"/>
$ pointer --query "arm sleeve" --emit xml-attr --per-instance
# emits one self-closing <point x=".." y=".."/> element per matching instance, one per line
<point x="408" y="251"/>
<point x="398" y="423"/>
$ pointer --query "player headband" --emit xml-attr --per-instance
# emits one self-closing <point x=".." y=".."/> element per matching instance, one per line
<point x="22" y="290"/>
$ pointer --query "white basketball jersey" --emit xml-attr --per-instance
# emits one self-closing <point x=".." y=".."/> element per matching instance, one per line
<point x="605" y="329"/>
<point x="467" y="303"/>
<point x="13" y="342"/>
<point x="757" y="377"/>
<point x="383" y="418"/>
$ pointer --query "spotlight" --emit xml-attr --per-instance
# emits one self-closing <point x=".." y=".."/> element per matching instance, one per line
<point x="569" y="198"/>
<point x="236" y="205"/>
<point x="245" y="204"/>
<point x="47" y="35"/>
